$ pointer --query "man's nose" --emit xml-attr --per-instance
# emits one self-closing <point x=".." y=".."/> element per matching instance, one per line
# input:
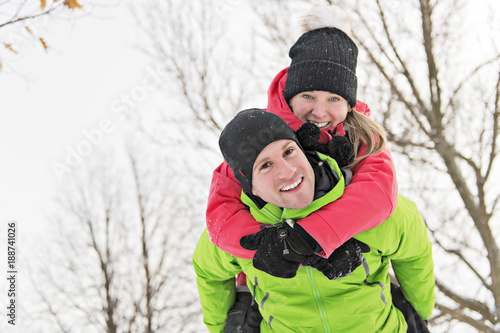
<point x="286" y="169"/>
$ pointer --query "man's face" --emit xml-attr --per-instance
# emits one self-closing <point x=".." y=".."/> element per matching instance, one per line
<point x="283" y="176"/>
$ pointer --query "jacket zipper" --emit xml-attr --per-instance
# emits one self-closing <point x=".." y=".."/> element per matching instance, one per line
<point x="275" y="218"/>
<point x="272" y="216"/>
<point x="317" y="297"/>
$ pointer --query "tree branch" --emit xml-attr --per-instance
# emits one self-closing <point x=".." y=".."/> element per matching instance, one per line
<point x="16" y="19"/>
<point x="458" y="315"/>
<point x="434" y="86"/>
<point x="405" y="71"/>
<point x="465" y="261"/>
<point x="468" y="303"/>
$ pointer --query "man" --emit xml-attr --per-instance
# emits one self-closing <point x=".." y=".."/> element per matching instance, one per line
<point x="281" y="183"/>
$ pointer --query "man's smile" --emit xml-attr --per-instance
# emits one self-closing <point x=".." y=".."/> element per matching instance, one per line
<point x="292" y="186"/>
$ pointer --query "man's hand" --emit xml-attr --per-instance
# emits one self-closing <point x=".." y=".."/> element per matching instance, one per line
<point x="244" y="316"/>
<point x="280" y="249"/>
<point x="342" y="262"/>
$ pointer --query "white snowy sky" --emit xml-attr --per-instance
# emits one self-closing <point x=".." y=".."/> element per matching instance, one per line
<point x="49" y="100"/>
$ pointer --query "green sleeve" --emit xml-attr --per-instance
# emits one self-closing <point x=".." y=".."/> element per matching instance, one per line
<point x="215" y="276"/>
<point x="412" y="262"/>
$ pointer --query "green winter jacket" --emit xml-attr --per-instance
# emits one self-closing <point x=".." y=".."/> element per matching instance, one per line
<point x="310" y="302"/>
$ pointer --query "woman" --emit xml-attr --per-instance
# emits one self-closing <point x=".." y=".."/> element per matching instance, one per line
<point x="319" y="87"/>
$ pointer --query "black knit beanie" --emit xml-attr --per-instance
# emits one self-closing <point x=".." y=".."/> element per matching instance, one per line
<point x="245" y="136"/>
<point x="323" y="59"/>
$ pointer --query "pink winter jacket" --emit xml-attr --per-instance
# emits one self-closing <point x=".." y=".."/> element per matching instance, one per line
<point x="368" y="201"/>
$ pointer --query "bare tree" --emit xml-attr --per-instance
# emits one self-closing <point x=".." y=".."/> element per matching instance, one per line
<point x="167" y="231"/>
<point x="122" y="250"/>
<point x="128" y="229"/>
<point x="210" y="71"/>
<point x="439" y="96"/>
<point x="80" y="288"/>
<point x="430" y="72"/>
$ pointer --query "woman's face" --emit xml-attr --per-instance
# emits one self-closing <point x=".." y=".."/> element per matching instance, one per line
<point x="322" y="108"/>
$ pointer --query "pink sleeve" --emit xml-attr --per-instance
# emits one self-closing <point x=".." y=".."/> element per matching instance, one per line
<point x="368" y="201"/>
<point x="228" y="219"/>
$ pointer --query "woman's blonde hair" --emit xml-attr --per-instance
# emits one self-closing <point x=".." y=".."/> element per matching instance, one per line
<point x="361" y="130"/>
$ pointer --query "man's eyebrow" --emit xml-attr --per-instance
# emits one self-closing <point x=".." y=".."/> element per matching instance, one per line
<point x="260" y="160"/>
<point x="287" y="143"/>
<point x="283" y="147"/>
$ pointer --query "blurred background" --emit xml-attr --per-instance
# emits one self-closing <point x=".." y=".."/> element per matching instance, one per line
<point x="110" y="113"/>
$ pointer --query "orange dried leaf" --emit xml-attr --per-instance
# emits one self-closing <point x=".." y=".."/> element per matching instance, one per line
<point x="29" y="30"/>
<point x="43" y="3"/>
<point x="43" y="44"/>
<point x="72" y="4"/>
<point x="8" y="47"/>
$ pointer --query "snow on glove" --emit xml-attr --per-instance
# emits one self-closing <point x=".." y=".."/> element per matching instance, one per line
<point x="340" y="148"/>
<point x="342" y="262"/>
<point x="244" y="316"/>
<point x="280" y="249"/>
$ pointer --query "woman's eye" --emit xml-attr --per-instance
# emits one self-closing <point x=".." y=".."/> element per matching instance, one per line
<point x="288" y="151"/>
<point x="334" y="99"/>
<point x="306" y="96"/>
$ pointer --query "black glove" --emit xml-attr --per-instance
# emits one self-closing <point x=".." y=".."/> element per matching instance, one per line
<point x="340" y="148"/>
<point x="342" y="262"/>
<point x="244" y="316"/>
<point x="280" y="249"/>
<point x="415" y="323"/>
